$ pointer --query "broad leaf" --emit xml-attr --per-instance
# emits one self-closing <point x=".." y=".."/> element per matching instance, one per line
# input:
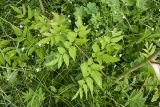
<point x="79" y="11"/>
<point x="84" y="69"/>
<point x="25" y="31"/>
<point x="44" y="41"/>
<point x="107" y="39"/>
<point x="89" y="82"/>
<point x="116" y="39"/>
<point x="96" y="67"/>
<point x="19" y="16"/>
<point x="17" y="31"/>
<point x="51" y="63"/>
<point x="83" y="33"/>
<point x="81" y="92"/>
<point x="66" y="59"/>
<point x="90" y="61"/>
<point x="155" y="96"/>
<point x="3" y="42"/>
<point x="79" y="22"/>
<point x="71" y="36"/>
<point x="24" y="10"/>
<point x="81" y="82"/>
<point x="39" y="52"/>
<point x="75" y="96"/>
<point x="97" y="76"/>
<point x="29" y="12"/>
<point x="31" y="50"/>
<point x="11" y="53"/>
<point x="95" y="47"/>
<point x="91" y="8"/>
<point x="141" y="4"/>
<point x="60" y="61"/>
<point x="115" y="33"/>
<point x="67" y="44"/>
<point x="85" y="89"/>
<point x="103" y="42"/>
<point x="110" y="59"/>
<point x="61" y="50"/>
<point x="81" y="41"/>
<point x="73" y="52"/>
<point x="53" y="89"/>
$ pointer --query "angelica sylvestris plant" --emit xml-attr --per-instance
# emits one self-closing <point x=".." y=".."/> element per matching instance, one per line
<point x="54" y="37"/>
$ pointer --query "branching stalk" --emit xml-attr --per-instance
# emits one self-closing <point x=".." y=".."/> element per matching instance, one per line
<point x="150" y="59"/>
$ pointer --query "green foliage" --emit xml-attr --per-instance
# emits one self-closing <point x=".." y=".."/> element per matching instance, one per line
<point x="73" y="54"/>
<point x="150" y="49"/>
<point x="34" y="99"/>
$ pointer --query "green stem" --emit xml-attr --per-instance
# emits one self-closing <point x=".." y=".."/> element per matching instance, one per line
<point x="82" y="51"/>
<point x="149" y="59"/>
<point x="41" y="6"/>
<point x="6" y="21"/>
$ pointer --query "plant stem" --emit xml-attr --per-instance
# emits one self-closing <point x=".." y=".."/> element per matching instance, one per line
<point x="82" y="51"/>
<point x="6" y="21"/>
<point x="12" y="68"/>
<point x="148" y="60"/>
<point x="41" y="6"/>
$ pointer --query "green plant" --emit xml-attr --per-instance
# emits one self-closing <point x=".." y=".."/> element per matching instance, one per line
<point x="51" y="59"/>
<point x="34" y="99"/>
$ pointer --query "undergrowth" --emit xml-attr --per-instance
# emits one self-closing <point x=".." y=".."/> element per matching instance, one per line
<point x="70" y="53"/>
